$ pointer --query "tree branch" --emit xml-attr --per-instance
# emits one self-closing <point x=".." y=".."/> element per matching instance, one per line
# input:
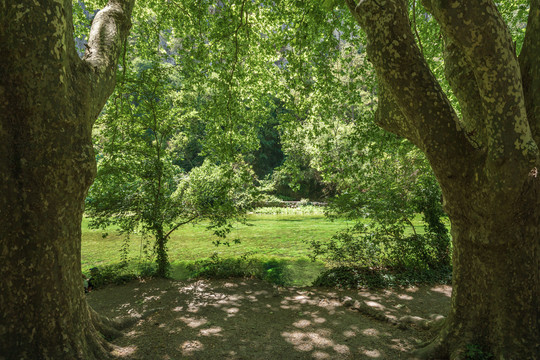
<point x="180" y="224"/>
<point x="109" y="31"/>
<point x="529" y="61"/>
<point x="461" y="79"/>
<point x="390" y="118"/>
<point x="479" y="31"/>
<point x="401" y="68"/>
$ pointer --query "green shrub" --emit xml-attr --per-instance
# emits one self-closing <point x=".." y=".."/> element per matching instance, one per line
<point x="475" y="352"/>
<point x="383" y="249"/>
<point x="109" y="274"/>
<point x="349" y="277"/>
<point x="271" y="270"/>
<point x="222" y="268"/>
<point x="274" y="272"/>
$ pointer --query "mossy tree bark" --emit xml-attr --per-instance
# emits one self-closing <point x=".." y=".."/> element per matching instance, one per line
<point x="49" y="100"/>
<point x="486" y="162"/>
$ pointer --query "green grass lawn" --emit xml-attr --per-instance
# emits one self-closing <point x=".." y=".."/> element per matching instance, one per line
<point x="266" y="236"/>
<point x="283" y="236"/>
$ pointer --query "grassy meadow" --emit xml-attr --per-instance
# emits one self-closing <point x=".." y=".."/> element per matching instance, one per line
<point x="271" y="233"/>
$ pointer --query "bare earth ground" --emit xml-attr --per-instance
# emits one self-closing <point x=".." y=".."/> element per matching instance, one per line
<point x="251" y="319"/>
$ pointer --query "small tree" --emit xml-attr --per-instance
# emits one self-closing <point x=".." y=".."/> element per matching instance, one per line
<point x="140" y="187"/>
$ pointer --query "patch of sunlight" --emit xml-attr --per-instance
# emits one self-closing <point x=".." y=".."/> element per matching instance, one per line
<point x="375" y="305"/>
<point x="261" y="292"/>
<point x="341" y="349"/>
<point x="191" y="346"/>
<point x="442" y="289"/>
<point x="231" y="311"/>
<point x="302" y="323"/>
<point x="405" y="297"/>
<point x="133" y="333"/>
<point x="371" y="332"/>
<point x="369" y="295"/>
<point x="309" y="341"/>
<point x="301" y="298"/>
<point x="320" y="355"/>
<point x="151" y="297"/>
<point x="372" y="353"/>
<point x="193" y="322"/>
<point x="124" y="351"/>
<point x="306" y="341"/>
<point x="213" y="331"/>
<point x="198" y="286"/>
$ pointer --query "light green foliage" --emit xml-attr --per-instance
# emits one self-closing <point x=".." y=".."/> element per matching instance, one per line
<point x="203" y="77"/>
<point x="287" y="210"/>
<point x="140" y="187"/>
<point x="218" y="193"/>
<point x="272" y="270"/>
<point x="515" y="14"/>
<point x="391" y="191"/>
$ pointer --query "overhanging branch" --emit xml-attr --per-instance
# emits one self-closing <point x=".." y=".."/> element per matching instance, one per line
<point x="410" y="84"/>
<point x="481" y="35"/>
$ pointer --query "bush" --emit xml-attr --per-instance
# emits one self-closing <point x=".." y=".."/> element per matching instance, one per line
<point x="109" y="274"/>
<point x="363" y="277"/>
<point x="271" y="270"/>
<point x="383" y="249"/>
<point x="475" y="352"/>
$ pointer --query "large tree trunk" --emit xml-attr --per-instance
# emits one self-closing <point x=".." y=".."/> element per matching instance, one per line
<point x="496" y="292"/>
<point x="49" y="99"/>
<point x="486" y="161"/>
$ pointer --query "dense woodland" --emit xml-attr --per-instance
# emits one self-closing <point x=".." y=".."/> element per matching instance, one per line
<point x="151" y="115"/>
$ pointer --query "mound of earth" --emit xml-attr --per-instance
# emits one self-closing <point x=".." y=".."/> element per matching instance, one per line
<point x="250" y="319"/>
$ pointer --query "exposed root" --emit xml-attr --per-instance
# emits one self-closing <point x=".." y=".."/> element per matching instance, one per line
<point x="434" y="350"/>
<point x="403" y="323"/>
<point x="111" y="328"/>
<point x="106" y="330"/>
<point x="442" y="348"/>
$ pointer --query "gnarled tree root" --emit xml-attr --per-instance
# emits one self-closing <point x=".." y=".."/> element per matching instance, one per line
<point x="404" y="322"/>
<point x="106" y="330"/>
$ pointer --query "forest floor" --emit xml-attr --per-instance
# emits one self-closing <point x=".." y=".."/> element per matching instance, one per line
<point x="252" y="319"/>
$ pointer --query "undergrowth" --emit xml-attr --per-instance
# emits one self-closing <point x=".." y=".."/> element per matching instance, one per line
<point x="475" y="352"/>
<point x="350" y="277"/>
<point x="271" y="270"/>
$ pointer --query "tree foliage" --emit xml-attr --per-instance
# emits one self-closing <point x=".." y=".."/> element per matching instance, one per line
<point x="464" y="99"/>
<point x="141" y="139"/>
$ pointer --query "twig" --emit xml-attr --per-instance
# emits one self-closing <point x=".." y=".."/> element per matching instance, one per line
<point x="415" y="28"/>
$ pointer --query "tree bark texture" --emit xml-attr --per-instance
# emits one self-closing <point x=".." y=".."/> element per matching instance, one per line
<point x="486" y="160"/>
<point x="49" y="100"/>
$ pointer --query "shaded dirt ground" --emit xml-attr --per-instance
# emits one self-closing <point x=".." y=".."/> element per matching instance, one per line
<point x="250" y="319"/>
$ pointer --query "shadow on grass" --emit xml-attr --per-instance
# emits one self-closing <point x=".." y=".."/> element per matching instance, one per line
<point x="251" y="319"/>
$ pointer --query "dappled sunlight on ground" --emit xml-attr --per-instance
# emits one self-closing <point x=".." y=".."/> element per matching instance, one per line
<point x="249" y="319"/>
